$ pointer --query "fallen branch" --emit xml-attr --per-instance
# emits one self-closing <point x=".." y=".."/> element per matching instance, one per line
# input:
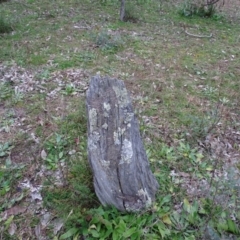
<point x="198" y="36"/>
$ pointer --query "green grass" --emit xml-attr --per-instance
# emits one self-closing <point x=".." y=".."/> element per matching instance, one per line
<point x="185" y="92"/>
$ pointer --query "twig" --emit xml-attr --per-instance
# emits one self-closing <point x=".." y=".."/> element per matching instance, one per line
<point x="198" y="36"/>
<point x="211" y="2"/>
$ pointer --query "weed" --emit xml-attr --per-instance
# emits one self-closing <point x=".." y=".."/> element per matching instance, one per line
<point x="166" y="152"/>
<point x="190" y="154"/>
<point x="69" y="90"/>
<point x="198" y="126"/>
<point x="9" y="174"/>
<point x="6" y="125"/>
<point x="224" y="100"/>
<point x="7" y="120"/>
<point x="17" y="96"/>
<point x="5" y="91"/>
<point x="56" y="152"/>
<point x="210" y="92"/>
<point x="5" y="149"/>
<point x="201" y="126"/>
<point x="110" y="224"/>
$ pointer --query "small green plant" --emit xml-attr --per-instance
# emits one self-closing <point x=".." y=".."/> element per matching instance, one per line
<point x="6" y="125"/>
<point x="224" y="100"/>
<point x="190" y="153"/>
<point x="109" y="223"/>
<point x="166" y="152"/>
<point x="17" y="96"/>
<point x="55" y="151"/>
<point x="5" y="91"/>
<point x="69" y="90"/>
<point x="200" y="126"/>
<point x="5" y="149"/>
<point x="9" y="174"/>
<point x="210" y="92"/>
<point x="7" y="121"/>
<point x="4" y="185"/>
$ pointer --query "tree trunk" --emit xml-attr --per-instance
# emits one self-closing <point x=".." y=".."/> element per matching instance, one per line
<point x="122" y="175"/>
<point x="122" y="10"/>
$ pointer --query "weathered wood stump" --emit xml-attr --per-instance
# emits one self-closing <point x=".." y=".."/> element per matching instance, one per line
<point x="122" y="175"/>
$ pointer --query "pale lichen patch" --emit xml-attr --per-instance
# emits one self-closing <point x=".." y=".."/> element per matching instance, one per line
<point x="105" y="126"/>
<point x="127" y="152"/>
<point x="106" y="106"/>
<point x="95" y="136"/>
<point x="118" y="134"/>
<point x="106" y="109"/>
<point x="122" y="96"/>
<point x="92" y="119"/>
<point x="105" y="163"/>
<point x="128" y="117"/>
<point x="134" y="206"/>
<point x="116" y="138"/>
<point x="105" y="114"/>
<point x="143" y="194"/>
<point x="93" y="140"/>
<point x="92" y="146"/>
<point x="121" y="131"/>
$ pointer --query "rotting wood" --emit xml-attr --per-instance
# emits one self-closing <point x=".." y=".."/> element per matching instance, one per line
<point x="122" y="175"/>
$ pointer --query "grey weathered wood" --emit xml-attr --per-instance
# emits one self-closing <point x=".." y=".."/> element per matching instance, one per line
<point x="122" y="175"/>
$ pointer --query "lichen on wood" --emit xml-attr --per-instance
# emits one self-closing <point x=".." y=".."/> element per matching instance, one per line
<point x="121" y="171"/>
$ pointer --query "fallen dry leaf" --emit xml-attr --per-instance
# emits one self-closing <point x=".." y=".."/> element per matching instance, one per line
<point x="43" y="154"/>
<point x="12" y="229"/>
<point x="13" y="211"/>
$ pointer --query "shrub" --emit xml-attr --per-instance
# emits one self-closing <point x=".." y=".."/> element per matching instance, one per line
<point x="5" y="26"/>
<point x="196" y="8"/>
<point x="1" y="1"/>
<point x="107" y="41"/>
<point x="130" y="13"/>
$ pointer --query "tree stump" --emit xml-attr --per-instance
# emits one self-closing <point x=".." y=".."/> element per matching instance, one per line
<point x="122" y="175"/>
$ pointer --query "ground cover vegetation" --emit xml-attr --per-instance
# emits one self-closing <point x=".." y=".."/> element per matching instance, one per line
<point x="182" y="71"/>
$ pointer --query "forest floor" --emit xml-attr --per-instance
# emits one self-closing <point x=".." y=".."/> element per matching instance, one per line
<point x="183" y="75"/>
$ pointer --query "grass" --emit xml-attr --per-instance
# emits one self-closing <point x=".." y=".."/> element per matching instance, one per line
<point x="185" y="92"/>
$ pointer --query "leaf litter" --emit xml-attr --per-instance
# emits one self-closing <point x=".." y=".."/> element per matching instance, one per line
<point x="222" y="144"/>
<point x="30" y="82"/>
